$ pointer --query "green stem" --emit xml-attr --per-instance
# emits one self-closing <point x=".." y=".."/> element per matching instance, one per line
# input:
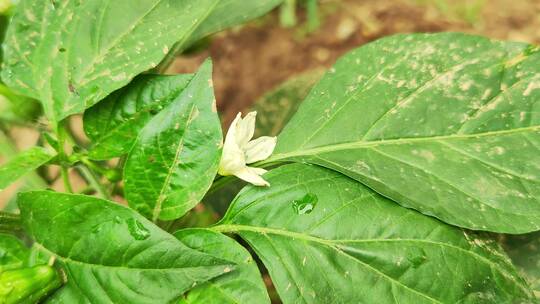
<point x="313" y="21"/>
<point x="10" y="222"/>
<point x="120" y="168"/>
<point x="61" y="133"/>
<point x="65" y="179"/>
<point x="287" y="13"/>
<point x="92" y="179"/>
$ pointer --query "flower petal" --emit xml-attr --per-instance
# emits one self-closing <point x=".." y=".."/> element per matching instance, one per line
<point x="232" y="160"/>
<point x="245" y="129"/>
<point x="259" y="149"/>
<point x="230" y="138"/>
<point x="250" y="175"/>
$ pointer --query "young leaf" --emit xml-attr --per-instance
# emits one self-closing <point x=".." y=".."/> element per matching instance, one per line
<point x="13" y="253"/>
<point x="110" y="253"/>
<point x="23" y="163"/>
<point x="325" y="238"/>
<point x="71" y="54"/>
<point x="175" y="158"/>
<point x="114" y="123"/>
<point x="243" y="285"/>
<point x="447" y="124"/>
<point x="524" y="250"/>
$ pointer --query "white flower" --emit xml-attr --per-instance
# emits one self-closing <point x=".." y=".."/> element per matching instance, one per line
<point x="239" y="150"/>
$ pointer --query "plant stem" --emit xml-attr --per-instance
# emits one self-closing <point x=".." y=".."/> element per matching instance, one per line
<point x="287" y="13"/>
<point x="61" y="134"/>
<point x="313" y="21"/>
<point x="92" y="179"/>
<point x="65" y="179"/>
<point x="10" y="222"/>
<point x="120" y="167"/>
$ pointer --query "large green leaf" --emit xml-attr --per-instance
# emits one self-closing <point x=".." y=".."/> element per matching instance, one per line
<point x="110" y="253"/>
<point x="325" y="238"/>
<point x="524" y="250"/>
<point x="23" y="163"/>
<point x="71" y="54"/>
<point x="243" y="285"/>
<point x="114" y="123"/>
<point x="175" y="158"/>
<point x="13" y="253"/>
<point x="448" y="124"/>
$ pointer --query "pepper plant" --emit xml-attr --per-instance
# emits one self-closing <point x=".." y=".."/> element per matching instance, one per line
<point x="399" y="179"/>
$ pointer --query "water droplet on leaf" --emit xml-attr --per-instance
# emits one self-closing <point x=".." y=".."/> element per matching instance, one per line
<point x="306" y="204"/>
<point x="137" y="230"/>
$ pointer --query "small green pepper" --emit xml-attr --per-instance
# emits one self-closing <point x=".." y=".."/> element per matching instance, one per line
<point x="28" y="285"/>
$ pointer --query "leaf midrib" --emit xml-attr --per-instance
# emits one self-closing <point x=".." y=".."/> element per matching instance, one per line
<point x="234" y="228"/>
<point x="172" y="168"/>
<point x="68" y="260"/>
<point x="399" y="141"/>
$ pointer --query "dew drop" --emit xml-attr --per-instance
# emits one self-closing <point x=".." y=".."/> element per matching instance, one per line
<point x="306" y="204"/>
<point x="137" y="230"/>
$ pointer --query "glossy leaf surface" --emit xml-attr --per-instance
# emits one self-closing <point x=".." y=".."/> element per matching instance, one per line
<point x="71" y="54"/>
<point x="447" y="124"/>
<point x="114" y="123"/>
<point x="325" y="238"/>
<point x="23" y="163"/>
<point x="243" y="285"/>
<point x="110" y="253"/>
<point x="175" y="158"/>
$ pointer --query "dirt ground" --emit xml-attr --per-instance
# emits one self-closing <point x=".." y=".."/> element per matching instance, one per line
<point x="255" y="58"/>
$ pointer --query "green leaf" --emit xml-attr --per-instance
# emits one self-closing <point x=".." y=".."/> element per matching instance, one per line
<point x="16" y="108"/>
<point x="229" y="13"/>
<point x="524" y="250"/>
<point x="114" y="123"/>
<point x="110" y="253"/>
<point x="243" y="285"/>
<point x="13" y="253"/>
<point x="23" y="163"/>
<point x="278" y="106"/>
<point x="71" y="54"/>
<point x="447" y="124"/>
<point x="325" y="238"/>
<point x="175" y="158"/>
